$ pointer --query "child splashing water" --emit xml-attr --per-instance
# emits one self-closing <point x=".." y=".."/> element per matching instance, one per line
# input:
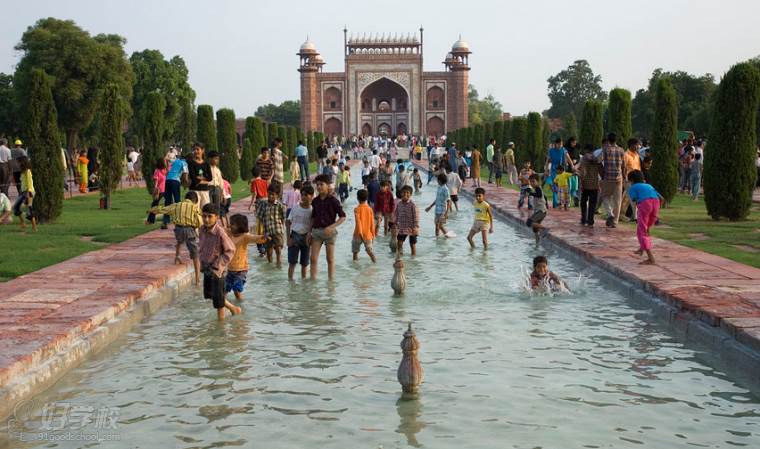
<point x="544" y="281"/>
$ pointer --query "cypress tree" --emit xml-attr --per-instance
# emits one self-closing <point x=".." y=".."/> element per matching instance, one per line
<point x="478" y="136"/>
<point x="271" y="133"/>
<point x="111" y="140"/>
<point x="664" y="173"/>
<point x="310" y="144"/>
<point x="187" y="123"/>
<point x="44" y="148"/>
<point x="247" y="158"/>
<point x="229" y="163"/>
<point x="205" y="131"/>
<point x="546" y="140"/>
<point x="506" y="134"/>
<point x="153" y="133"/>
<point x="619" y="115"/>
<point x="487" y="134"/>
<point x="519" y="132"/>
<point x="534" y="139"/>
<point x="497" y="130"/>
<point x="592" y="126"/>
<point x="292" y="140"/>
<point x="729" y="170"/>
<point x="571" y="126"/>
<point x="258" y="139"/>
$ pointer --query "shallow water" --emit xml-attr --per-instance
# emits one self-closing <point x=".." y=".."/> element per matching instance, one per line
<point x="314" y="364"/>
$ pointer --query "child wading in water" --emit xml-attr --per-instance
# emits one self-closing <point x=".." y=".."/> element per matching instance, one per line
<point x="442" y="205"/>
<point x="539" y="208"/>
<point x="364" y="227"/>
<point x="647" y="201"/>
<point x="483" y="218"/>
<point x="406" y="220"/>
<point x="237" y="272"/>
<point x="325" y="209"/>
<point x="384" y="206"/>
<point x="216" y="251"/>
<point x="186" y="217"/>
<point x="541" y="279"/>
<point x="298" y="225"/>
<point x="272" y="214"/>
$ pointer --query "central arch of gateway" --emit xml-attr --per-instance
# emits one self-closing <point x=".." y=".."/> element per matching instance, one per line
<point x="383" y="88"/>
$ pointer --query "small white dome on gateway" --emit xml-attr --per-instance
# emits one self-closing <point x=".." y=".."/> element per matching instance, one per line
<point x="460" y="45"/>
<point x="308" y="46"/>
<point x="317" y="59"/>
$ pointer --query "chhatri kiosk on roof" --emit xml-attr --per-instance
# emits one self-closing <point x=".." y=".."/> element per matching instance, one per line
<point x="383" y="88"/>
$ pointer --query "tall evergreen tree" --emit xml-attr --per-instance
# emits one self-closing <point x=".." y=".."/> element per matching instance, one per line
<point x="44" y="147"/>
<point x="478" y="136"/>
<point x="247" y="158"/>
<point x="619" y="110"/>
<point x="519" y="137"/>
<point x="592" y="126"/>
<point x="487" y="134"/>
<point x="111" y="140"/>
<point x="310" y="143"/>
<point x="229" y="163"/>
<point x="506" y="134"/>
<point x="547" y="136"/>
<point x="664" y="173"/>
<point x="187" y="123"/>
<point x="205" y="131"/>
<point x="534" y="139"/>
<point x="292" y="140"/>
<point x="729" y="173"/>
<point x="259" y="138"/>
<point x="271" y="133"/>
<point x="153" y="134"/>
<point x="570" y="126"/>
<point x="496" y="131"/>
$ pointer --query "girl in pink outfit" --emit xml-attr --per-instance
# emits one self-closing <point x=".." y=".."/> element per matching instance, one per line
<point x="159" y="186"/>
<point x="648" y="204"/>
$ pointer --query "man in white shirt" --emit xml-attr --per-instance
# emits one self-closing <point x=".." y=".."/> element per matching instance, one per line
<point x="5" y="166"/>
<point x="374" y="160"/>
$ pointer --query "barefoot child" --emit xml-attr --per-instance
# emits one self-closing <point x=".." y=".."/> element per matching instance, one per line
<point x="406" y="219"/>
<point x="541" y="279"/>
<point x="442" y="204"/>
<point x="562" y="183"/>
<point x="271" y="214"/>
<point x="298" y="226"/>
<point x="384" y="206"/>
<point x="259" y="195"/>
<point x="325" y="208"/>
<point x="216" y="251"/>
<point x="186" y="217"/>
<point x="454" y="183"/>
<point x="483" y="218"/>
<point x="364" y="227"/>
<point x="417" y="180"/>
<point x="648" y="205"/>
<point x="344" y="182"/>
<point x="524" y="178"/>
<point x="539" y="208"/>
<point x="237" y="271"/>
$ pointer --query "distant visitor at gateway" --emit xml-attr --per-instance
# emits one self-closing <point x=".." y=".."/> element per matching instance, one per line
<point x="383" y="89"/>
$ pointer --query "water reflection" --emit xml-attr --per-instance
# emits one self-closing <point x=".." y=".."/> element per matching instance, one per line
<point x="409" y="409"/>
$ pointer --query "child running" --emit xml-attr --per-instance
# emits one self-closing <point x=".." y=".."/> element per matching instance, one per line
<point x="216" y="251"/>
<point x="541" y="279"/>
<point x="186" y="216"/>
<point x="298" y="225"/>
<point x="271" y="214"/>
<point x="539" y="208"/>
<point x="325" y="209"/>
<point x="364" y="227"/>
<point x="237" y="271"/>
<point x="647" y="201"/>
<point x="483" y="218"/>
<point x="524" y="178"/>
<point x="406" y="220"/>
<point x="442" y="205"/>
<point x="384" y="206"/>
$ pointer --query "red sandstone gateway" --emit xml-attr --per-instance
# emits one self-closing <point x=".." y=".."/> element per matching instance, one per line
<point x="383" y="89"/>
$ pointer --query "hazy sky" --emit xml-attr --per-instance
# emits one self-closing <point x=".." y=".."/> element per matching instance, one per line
<point x="241" y="54"/>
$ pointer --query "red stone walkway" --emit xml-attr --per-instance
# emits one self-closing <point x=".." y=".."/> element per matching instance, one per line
<point x="718" y="291"/>
<point x="48" y="312"/>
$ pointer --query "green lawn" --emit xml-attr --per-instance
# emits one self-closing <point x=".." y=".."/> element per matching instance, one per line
<point x="81" y="228"/>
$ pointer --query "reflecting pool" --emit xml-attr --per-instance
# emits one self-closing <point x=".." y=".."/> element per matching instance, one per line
<point x="313" y="364"/>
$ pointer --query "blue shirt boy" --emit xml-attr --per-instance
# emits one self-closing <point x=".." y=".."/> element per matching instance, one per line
<point x="642" y="191"/>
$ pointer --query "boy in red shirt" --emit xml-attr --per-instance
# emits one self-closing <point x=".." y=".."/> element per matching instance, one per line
<point x="384" y="205"/>
<point x="259" y="193"/>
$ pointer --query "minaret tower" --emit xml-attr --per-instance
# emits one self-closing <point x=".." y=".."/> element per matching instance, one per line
<point x="311" y="63"/>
